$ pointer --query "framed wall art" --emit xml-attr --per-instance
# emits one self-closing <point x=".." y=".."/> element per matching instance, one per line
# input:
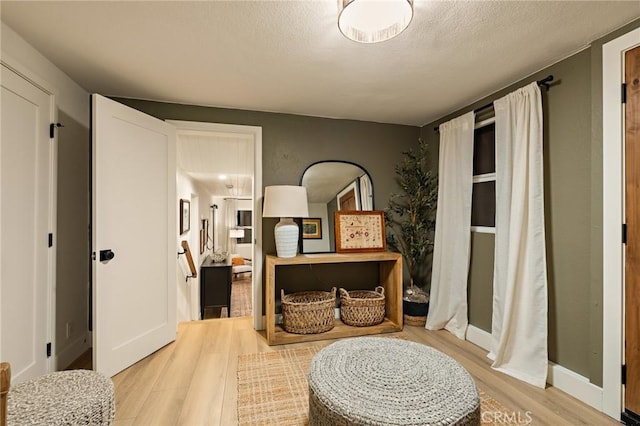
<point x="185" y="215"/>
<point x="360" y="231"/>
<point x="312" y="228"/>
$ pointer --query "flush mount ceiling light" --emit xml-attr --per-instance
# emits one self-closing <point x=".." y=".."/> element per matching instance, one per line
<point x="373" y="21"/>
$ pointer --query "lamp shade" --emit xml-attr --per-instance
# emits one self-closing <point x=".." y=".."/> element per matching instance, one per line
<point x="373" y="21"/>
<point x="285" y="201"/>
<point x="236" y="233"/>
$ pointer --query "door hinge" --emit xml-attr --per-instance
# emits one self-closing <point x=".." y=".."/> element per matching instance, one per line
<point x="624" y="233"/>
<point x="48" y="349"/>
<point x="624" y="93"/>
<point x="50" y="240"/>
<point x="52" y="128"/>
<point x="623" y="373"/>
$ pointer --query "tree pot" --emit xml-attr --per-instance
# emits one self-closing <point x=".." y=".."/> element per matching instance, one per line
<point x="415" y="309"/>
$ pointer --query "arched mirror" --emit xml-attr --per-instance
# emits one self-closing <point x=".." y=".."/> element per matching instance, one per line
<point x="332" y="186"/>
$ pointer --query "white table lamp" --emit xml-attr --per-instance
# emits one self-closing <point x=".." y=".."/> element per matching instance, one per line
<point x="286" y="202"/>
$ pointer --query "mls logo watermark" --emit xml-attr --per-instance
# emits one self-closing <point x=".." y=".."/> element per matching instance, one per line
<point x="507" y="417"/>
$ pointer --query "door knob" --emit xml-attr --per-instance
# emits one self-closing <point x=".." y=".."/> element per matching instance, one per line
<point x="106" y="255"/>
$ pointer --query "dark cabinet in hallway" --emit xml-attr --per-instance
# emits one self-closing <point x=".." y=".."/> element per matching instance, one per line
<point x="215" y="284"/>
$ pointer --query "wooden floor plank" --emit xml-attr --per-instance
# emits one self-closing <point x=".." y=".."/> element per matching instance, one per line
<point x="194" y="380"/>
<point x="134" y="384"/>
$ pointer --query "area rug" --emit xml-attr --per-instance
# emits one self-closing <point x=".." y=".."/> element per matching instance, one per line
<point x="272" y="389"/>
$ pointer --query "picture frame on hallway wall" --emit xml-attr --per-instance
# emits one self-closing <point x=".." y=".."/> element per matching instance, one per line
<point x="185" y="215"/>
<point x="312" y="228"/>
<point x="360" y="231"/>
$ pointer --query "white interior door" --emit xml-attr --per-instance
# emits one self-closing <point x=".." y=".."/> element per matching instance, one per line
<point x="26" y="271"/>
<point x="134" y="216"/>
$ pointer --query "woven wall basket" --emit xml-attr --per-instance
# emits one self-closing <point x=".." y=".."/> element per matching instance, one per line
<point x="362" y="308"/>
<point x="308" y="312"/>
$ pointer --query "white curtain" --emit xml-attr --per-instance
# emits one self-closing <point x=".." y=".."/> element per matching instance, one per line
<point x="519" y="324"/>
<point x="448" y="298"/>
<point x="229" y="223"/>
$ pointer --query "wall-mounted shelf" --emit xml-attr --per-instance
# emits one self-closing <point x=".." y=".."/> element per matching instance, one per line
<point x="390" y="265"/>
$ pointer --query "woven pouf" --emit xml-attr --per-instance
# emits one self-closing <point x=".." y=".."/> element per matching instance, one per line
<point x="387" y="381"/>
<point x="75" y="397"/>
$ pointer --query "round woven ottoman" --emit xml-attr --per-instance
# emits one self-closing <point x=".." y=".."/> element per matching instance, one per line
<point x="387" y="381"/>
<point x="75" y="397"/>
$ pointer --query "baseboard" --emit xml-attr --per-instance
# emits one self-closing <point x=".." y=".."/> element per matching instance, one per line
<point x="575" y="385"/>
<point x="558" y="376"/>
<point x="72" y="351"/>
<point x="479" y="337"/>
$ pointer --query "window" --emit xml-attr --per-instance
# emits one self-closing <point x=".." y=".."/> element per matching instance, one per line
<point x="244" y="223"/>
<point x="248" y="237"/>
<point x="244" y="217"/>
<point x="483" y="198"/>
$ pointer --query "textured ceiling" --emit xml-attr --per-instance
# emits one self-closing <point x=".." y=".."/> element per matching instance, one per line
<point x="290" y="57"/>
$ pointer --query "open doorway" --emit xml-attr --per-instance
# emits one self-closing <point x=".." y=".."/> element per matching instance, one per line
<point x="216" y="167"/>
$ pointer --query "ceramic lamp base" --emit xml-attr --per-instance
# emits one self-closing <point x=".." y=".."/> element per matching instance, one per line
<point x="286" y="233"/>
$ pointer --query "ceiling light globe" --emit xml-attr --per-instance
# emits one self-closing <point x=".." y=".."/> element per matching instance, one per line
<point x="373" y="21"/>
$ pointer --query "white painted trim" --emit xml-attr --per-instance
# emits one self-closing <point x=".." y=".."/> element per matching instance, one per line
<point x="24" y="72"/>
<point x="558" y="376"/>
<point x="484" y="123"/>
<point x="256" y="133"/>
<point x="23" y="58"/>
<point x="612" y="219"/>
<point x="479" y="337"/>
<point x="53" y="229"/>
<point x="575" y="385"/>
<point x="487" y="177"/>
<point x="483" y="229"/>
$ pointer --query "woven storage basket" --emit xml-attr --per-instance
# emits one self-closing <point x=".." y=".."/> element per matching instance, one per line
<point x="362" y="308"/>
<point x="308" y="312"/>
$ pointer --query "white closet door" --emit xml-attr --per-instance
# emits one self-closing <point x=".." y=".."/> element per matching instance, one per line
<point x="26" y="262"/>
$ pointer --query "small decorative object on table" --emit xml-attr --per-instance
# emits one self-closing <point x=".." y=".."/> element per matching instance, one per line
<point x="218" y="256"/>
<point x="362" y="308"/>
<point x="308" y="312"/>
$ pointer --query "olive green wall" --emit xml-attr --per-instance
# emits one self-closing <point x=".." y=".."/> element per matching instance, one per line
<point x="479" y="291"/>
<point x="290" y="143"/>
<point x="572" y="111"/>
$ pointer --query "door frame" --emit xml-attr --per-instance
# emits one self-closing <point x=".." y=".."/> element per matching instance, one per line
<point x="613" y="261"/>
<point x="256" y="133"/>
<point x="15" y="66"/>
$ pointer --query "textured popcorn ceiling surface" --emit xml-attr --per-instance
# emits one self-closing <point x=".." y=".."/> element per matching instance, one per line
<point x="290" y="57"/>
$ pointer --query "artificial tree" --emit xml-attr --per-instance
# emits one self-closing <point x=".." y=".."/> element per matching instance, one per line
<point x="411" y="219"/>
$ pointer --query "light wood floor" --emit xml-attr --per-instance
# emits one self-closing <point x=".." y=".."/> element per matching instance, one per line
<point x="193" y="380"/>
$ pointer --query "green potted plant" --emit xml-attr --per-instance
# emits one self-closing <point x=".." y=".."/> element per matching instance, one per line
<point x="410" y="218"/>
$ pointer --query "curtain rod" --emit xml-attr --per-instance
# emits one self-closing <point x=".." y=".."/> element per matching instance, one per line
<point x="544" y="82"/>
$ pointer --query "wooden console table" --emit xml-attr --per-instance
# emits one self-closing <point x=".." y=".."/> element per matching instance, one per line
<point x="390" y="265"/>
